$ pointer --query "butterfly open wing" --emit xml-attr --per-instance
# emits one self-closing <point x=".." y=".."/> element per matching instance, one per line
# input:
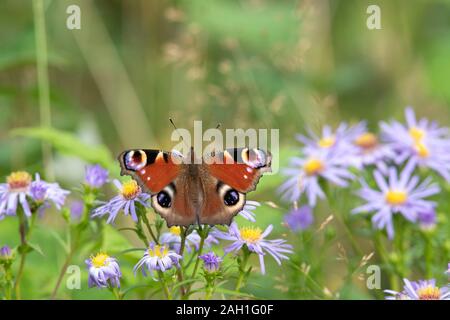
<point x="210" y="193"/>
<point x="234" y="173"/>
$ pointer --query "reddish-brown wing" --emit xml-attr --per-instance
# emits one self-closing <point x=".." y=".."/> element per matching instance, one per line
<point x="240" y="168"/>
<point x="152" y="169"/>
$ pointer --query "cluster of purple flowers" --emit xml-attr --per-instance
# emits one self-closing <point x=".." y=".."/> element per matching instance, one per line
<point x="21" y="190"/>
<point x="330" y="157"/>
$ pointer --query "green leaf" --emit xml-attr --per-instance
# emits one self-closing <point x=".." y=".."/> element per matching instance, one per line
<point x="36" y="247"/>
<point x="69" y="144"/>
<point x="234" y="293"/>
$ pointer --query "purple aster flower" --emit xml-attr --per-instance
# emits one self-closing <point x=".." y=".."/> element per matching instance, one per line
<point x="425" y="143"/>
<point x="44" y="192"/>
<point x="76" y="209"/>
<point x="254" y="239"/>
<point x="5" y="252"/>
<point x="157" y="258"/>
<point x="104" y="271"/>
<point x="20" y="189"/>
<point x="420" y="290"/>
<point x="427" y="219"/>
<point x="299" y="218"/>
<point x="328" y="140"/>
<point x="96" y="176"/>
<point x="129" y="194"/>
<point x="305" y="173"/>
<point x="368" y="150"/>
<point x="247" y="211"/>
<point x="172" y="238"/>
<point x="448" y="269"/>
<point x="14" y="192"/>
<point x="211" y="262"/>
<point x="399" y="194"/>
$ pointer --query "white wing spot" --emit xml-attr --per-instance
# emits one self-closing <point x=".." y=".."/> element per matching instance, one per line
<point x="249" y="170"/>
<point x="245" y="176"/>
<point x="148" y="178"/>
<point x="143" y="171"/>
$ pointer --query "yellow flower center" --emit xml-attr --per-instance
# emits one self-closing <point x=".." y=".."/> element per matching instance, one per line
<point x="250" y="234"/>
<point x="417" y="134"/>
<point x="99" y="260"/>
<point x="175" y="230"/>
<point x="429" y="293"/>
<point x="422" y="150"/>
<point x="366" y="140"/>
<point x="19" y="181"/>
<point x="158" y="251"/>
<point x="313" y="166"/>
<point x="130" y="190"/>
<point x="327" y="142"/>
<point x="396" y="197"/>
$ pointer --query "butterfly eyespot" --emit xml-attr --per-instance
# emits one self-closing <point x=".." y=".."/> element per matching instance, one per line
<point x="231" y="197"/>
<point x="164" y="199"/>
<point x="135" y="160"/>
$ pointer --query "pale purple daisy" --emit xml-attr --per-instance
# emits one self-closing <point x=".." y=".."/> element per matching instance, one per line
<point x="15" y="192"/>
<point x="129" y="194"/>
<point x="299" y="218"/>
<point x="254" y="239"/>
<point x="172" y="238"/>
<point x="21" y="189"/>
<point x="424" y="142"/>
<point x="305" y="174"/>
<point x="157" y="258"/>
<point x="96" y="176"/>
<point x="420" y="290"/>
<point x="211" y="262"/>
<point x="329" y="140"/>
<point x="44" y="192"/>
<point x="247" y="210"/>
<point x="104" y="271"/>
<point x="368" y="150"/>
<point x="397" y="194"/>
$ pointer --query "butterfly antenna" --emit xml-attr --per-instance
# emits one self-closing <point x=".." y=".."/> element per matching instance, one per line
<point x="175" y="127"/>
<point x="218" y="126"/>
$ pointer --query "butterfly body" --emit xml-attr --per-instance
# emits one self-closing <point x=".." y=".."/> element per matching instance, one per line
<point x="186" y="191"/>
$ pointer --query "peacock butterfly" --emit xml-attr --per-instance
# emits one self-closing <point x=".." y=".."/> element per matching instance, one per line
<point x="186" y="192"/>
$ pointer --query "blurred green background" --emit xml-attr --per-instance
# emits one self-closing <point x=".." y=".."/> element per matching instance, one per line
<point x="245" y="64"/>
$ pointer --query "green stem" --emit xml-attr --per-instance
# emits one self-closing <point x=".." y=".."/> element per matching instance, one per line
<point x="382" y="253"/>
<point x="428" y="256"/>
<point x="43" y="80"/>
<point x="203" y="235"/>
<point x="116" y="292"/>
<point x="24" y="231"/>
<point x="181" y="269"/>
<point x="149" y="228"/>
<point x="74" y="244"/>
<point x="242" y="271"/>
<point x="164" y="285"/>
<point x="62" y="273"/>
